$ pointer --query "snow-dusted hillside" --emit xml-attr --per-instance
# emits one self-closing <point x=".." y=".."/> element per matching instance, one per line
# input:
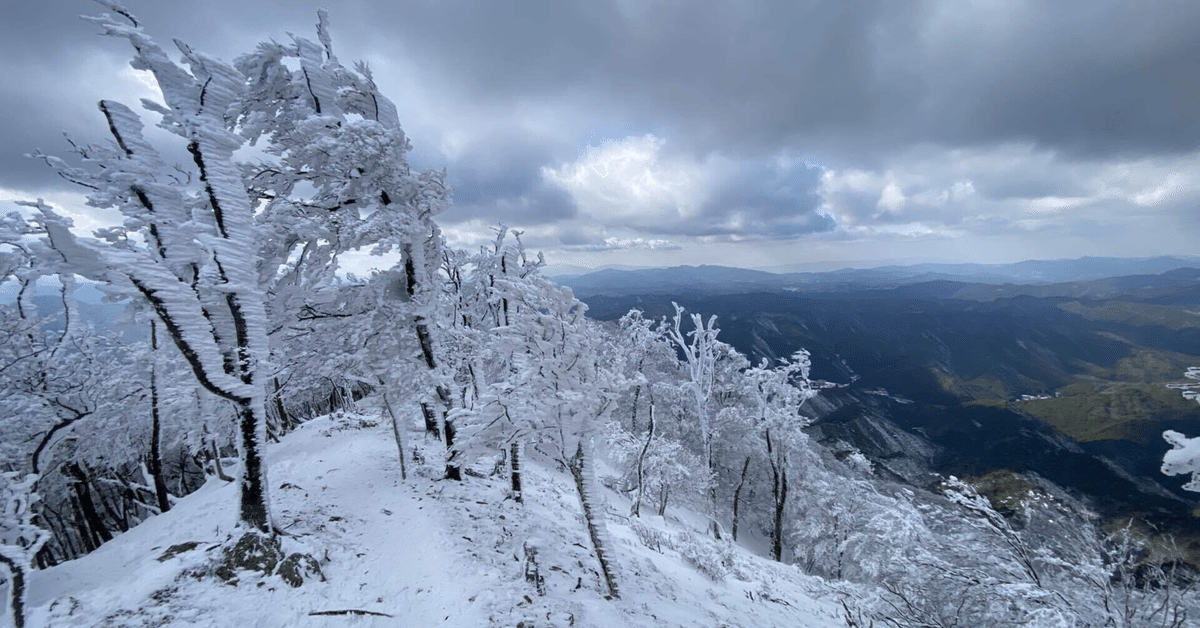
<point x="420" y="552"/>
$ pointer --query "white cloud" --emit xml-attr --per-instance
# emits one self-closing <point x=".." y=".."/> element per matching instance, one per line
<point x="892" y="198"/>
<point x="636" y="186"/>
<point x="1171" y="187"/>
<point x="627" y="244"/>
<point x="1013" y="188"/>
<point x="630" y="181"/>
<point x="1051" y="204"/>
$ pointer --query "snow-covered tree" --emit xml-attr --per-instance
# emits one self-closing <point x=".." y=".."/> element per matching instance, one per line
<point x="224" y="250"/>
<point x="659" y="467"/>
<point x="20" y="539"/>
<point x="1184" y="456"/>
<point x="193" y="258"/>
<point x="63" y="385"/>
<point x="50" y="373"/>
<point x="705" y="359"/>
<point x="640" y="344"/>
<point x="557" y="394"/>
<point x="1047" y="564"/>
<point x="777" y="395"/>
<point x="489" y="299"/>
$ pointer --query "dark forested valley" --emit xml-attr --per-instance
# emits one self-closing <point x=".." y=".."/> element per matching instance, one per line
<point x="1067" y="380"/>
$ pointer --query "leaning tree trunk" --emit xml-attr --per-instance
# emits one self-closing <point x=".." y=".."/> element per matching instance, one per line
<point x="154" y="463"/>
<point x="17" y="572"/>
<point x="581" y="469"/>
<point x="397" y="429"/>
<point x="431" y="422"/>
<point x="251" y="409"/>
<point x="425" y="339"/>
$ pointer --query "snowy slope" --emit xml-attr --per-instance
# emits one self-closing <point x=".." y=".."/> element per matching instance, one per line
<point x="422" y="553"/>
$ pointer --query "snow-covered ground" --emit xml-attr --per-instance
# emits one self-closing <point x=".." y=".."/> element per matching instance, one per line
<point x="421" y="552"/>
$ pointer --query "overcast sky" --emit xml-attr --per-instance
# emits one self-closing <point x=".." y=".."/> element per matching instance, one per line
<point x="742" y="133"/>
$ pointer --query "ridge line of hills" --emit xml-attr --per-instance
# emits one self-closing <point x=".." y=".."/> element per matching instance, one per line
<point x="1072" y="278"/>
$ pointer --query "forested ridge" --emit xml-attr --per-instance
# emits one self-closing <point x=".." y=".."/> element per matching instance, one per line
<point x="487" y="380"/>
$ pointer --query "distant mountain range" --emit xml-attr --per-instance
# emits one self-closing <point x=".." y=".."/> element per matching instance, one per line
<point x="727" y="280"/>
<point x="571" y="270"/>
<point x="969" y="369"/>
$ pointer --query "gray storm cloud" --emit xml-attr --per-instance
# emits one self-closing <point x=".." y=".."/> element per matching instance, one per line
<point x="852" y="121"/>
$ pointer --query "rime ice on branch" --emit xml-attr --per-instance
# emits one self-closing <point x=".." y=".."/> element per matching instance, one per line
<point x="223" y="251"/>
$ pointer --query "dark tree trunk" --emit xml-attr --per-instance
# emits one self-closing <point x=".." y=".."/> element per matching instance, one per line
<point x="154" y="464"/>
<point x="779" y="494"/>
<point x="52" y="521"/>
<point x="840" y="536"/>
<point x="663" y="493"/>
<point x="93" y="524"/>
<point x="114" y="504"/>
<point x="710" y="464"/>
<point x="737" y="498"/>
<point x="431" y="422"/>
<point x="780" y="505"/>
<point x="712" y="499"/>
<point x="504" y="301"/>
<point x="641" y="480"/>
<point x="425" y="339"/>
<point x="515" y="467"/>
<point x="44" y="558"/>
<point x="16" y="590"/>
<point x="637" y="394"/>
<point x="453" y="471"/>
<point x="252" y="490"/>
<point x="578" y="464"/>
<point x="277" y="420"/>
<point x="79" y="522"/>
<point x="286" y="423"/>
<point x="253" y="510"/>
